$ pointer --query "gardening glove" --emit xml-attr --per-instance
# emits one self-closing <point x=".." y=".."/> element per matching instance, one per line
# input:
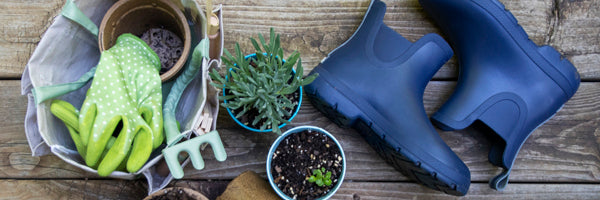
<point x="123" y="101"/>
<point x="70" y="116"/>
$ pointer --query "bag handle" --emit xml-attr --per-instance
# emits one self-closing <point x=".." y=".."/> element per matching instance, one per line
<point x="43" y="93"/>
<point x="72" y="12"/>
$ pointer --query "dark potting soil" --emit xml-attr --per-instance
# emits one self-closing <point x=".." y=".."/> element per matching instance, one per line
<point x="173" y="194"/>
<point x="167" y="45"/>
<point x="296" y="157"/>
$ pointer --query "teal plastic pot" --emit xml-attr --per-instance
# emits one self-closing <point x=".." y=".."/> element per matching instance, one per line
<point x="297" y="130"/>
<point x="255" y="129"/>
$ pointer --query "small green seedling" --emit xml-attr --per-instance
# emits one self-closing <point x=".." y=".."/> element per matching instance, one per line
<point x="320" y="179"/>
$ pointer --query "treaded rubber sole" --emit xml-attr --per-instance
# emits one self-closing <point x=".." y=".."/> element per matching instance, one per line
<point x="403" y="161"/>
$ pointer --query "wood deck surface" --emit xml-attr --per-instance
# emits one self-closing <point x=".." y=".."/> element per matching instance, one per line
<point x="560" y="160"/>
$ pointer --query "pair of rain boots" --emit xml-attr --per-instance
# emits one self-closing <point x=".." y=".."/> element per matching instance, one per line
<point x="375" y="81"/>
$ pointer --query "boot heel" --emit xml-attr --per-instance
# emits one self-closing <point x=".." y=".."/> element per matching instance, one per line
<point x="325" y="98"/>
<point x="505" y="115"/>
<point x="567" y="77"/>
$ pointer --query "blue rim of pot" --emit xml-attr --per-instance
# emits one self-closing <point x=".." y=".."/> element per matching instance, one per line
<point x="297" y="130"/>
<point x="266" y="130"/>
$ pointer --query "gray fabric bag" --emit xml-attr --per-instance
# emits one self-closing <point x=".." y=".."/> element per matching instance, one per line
<point x="68" y="50"/>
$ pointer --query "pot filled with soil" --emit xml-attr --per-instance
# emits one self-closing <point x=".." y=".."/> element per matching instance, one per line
<point x="160" y="23"/>
<point x="306" y="162"/>
<point x="246" y="120"/>
<point x="176" y="193"/>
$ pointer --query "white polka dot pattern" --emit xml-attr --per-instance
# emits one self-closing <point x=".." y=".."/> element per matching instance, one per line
<point x="127" y="88"/>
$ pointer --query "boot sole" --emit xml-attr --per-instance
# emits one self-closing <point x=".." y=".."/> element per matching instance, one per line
<point x="348" y="112"/>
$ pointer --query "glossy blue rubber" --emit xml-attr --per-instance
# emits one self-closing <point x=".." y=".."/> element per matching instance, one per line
<point x="506" y="81"/>
<point x="374" y="82"/>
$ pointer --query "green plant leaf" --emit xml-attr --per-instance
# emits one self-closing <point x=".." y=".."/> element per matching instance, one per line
<point x="241" y="113"/>
<point x="227" y="97"/>
<point x="258" y="59"/>
<point x="280" y="53"/>
<point x="217" y="85"/>
<point x="228" y="57"/>
<point x="277" y="43"/>
<point x="275" y="128"/>
<point x="238" y="53"/>
<point x="271" y="40"/>
<point x="312" y="179"/>
<point x="327" y="182"/>
<point x="262" y="41"/>
<point x="255" y="44"/>
<point x="319" y="182"/>
<point x="288" y="90"/>
<point x="309" y="79"/>
<point x="299" y="69"/>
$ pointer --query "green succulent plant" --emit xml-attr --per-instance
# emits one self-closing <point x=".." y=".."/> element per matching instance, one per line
<point x="261" y="84"/>
<point x="320" y="177"/>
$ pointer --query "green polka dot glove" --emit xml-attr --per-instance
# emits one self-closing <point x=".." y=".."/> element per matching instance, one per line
<point x="120" y="122"/>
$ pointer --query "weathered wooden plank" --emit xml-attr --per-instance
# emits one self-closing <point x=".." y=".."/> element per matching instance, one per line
<point x="404" y="190"/>
<point x="565" y="149"/>
<point x="567" y="143"/>
<point x="15" y="156"/>
<point x="576" y="33"/>
<point x="72" y="189"/>
<point x="14" y="57"/>
<point x="118" y="189"/>
<point x="26" y="21"/>
<point x="315" y="28"/>
<point x="358" y="190"/>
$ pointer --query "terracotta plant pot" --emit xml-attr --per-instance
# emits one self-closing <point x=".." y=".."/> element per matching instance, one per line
<point x="138" y="16"/>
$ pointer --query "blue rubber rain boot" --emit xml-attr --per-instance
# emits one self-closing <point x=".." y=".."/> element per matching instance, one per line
<point x="374" y="82"/>
<point x="505" y="81"/>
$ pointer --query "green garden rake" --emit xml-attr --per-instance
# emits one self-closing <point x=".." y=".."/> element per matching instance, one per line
<point x="175" y="144"/>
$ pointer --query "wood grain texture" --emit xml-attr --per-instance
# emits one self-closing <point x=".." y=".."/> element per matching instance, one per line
<point x="315" y="27"/>
<point x="15" y="155"/>
<point x="14" y="57"/>
<point x="23" y="23"/>
<point x="26" y="21"/>
<point x="565" y="149"/>
<point x="561" y="159"/>
<point x="119" y="189"/>
<point x="577" y="35"/>
<point x="363" y="191"/>
<point x="72" y="189"/>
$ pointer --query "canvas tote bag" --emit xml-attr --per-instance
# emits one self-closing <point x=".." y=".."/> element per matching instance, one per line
<point x="67" y="52"/>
